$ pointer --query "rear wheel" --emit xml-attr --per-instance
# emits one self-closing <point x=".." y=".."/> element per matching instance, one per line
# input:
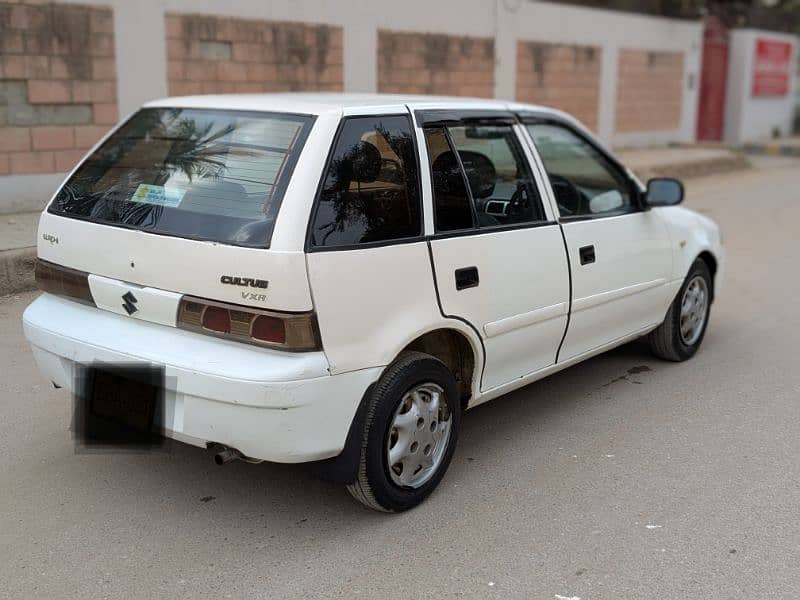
<point x="684" y="327"/>
<point x="410" y="433"/>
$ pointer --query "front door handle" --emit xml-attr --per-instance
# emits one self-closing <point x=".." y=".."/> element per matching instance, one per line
<point x="587" y="255"/>
<point x="467" y="278"/>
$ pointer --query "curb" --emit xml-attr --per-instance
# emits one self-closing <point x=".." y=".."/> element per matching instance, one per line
<point x="689" y="170"/>
<point x="774" y="149"/>
<point x="16" y="270"/>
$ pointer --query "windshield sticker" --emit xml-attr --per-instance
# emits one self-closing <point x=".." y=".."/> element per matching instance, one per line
<point x="158" y="194"/>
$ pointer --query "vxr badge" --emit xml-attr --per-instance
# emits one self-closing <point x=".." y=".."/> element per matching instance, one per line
<point x="129" y="303"/>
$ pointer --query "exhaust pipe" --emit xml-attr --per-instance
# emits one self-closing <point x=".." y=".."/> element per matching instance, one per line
<point x="227" y="455"/>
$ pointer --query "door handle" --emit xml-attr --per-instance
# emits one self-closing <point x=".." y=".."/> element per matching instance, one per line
<point x="587" y="255"/>
<point x="467" y="278"/>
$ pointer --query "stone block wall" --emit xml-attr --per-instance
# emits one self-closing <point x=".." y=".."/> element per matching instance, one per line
<point x="209" y="54"/>
<point x="563" y="76"/>
<point x="422" y="63"/>
<point x="58" y="90"/>
<point x="649" y="90"/>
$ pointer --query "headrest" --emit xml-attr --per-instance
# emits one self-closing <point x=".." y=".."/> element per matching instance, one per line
<point x="478" y="167"/>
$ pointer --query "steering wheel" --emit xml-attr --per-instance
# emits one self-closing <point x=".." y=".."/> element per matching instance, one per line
<point x="570" y="200"/>
<point x="520" y="203"/>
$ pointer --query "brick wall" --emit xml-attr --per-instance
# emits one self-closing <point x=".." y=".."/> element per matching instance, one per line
<point x="562" y="76"/>
<point x="58" y="90"/>
<point x="209" y="55"/>
<point x="649" y="90"/>
<point x="421" y="63"/>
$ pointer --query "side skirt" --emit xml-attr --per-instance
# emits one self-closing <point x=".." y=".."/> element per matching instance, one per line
<point x="500" y="390"/>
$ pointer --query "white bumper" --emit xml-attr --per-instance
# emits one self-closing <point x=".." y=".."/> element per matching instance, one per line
<point x="270" y="405"/>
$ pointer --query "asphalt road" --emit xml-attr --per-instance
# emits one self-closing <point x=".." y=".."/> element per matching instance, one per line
<point x="607" y="480"/>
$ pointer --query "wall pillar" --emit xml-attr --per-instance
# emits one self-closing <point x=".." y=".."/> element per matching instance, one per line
<point x="608" y="93"/>
<point x="360" y="57"/>
<point x="505" y="50"/>
<point x="141" y="50"/>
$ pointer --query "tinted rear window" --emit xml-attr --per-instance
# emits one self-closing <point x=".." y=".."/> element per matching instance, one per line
<point x="370" y="193"/>
<point x="201" y="174"/>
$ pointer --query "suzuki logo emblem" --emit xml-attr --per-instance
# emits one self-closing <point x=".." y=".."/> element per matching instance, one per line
<point x="129" y="303"/>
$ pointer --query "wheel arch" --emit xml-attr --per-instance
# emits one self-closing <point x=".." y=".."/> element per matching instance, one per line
<point x="452" y="342"/>
<point x="711" y="262"/>
<point x="457" y="351"/>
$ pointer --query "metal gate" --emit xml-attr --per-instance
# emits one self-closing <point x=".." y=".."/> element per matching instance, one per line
<point x="713" y="79"/>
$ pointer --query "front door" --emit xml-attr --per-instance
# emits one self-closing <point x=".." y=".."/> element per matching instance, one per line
<point x="497" y="253"/>
<point x="620" y="255"/>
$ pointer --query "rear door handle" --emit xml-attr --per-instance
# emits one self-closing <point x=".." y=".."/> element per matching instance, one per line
<point x="467" y="278"/>
<point x="587" y="255"/>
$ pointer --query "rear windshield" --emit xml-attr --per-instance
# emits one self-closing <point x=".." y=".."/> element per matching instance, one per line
<point x="200" y="174"/>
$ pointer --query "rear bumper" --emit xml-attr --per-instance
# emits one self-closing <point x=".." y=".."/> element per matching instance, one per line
<point x="269" y="405"/>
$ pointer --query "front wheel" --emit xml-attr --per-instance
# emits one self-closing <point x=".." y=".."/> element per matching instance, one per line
<point x="681" y="333"/>
<point x="410" y="432"/>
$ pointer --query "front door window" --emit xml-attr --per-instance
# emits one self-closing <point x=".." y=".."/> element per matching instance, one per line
<point x="584" y="181"/>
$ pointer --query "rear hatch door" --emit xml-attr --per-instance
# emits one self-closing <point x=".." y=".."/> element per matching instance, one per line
<point x="183" y="201"/>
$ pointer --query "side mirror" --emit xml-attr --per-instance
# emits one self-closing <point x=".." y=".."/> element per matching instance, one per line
<point x="664" y="191"/>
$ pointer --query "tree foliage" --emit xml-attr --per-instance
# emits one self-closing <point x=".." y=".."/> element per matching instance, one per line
<point x="779" y="15"/>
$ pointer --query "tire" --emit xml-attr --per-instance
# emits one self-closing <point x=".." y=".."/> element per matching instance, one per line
<point x="669" y="341"/>
<point x="387" y="421"/>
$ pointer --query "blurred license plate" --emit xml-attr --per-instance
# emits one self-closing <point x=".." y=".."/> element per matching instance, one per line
<point x="128" y="402"/>
<point x="121" y="405"/>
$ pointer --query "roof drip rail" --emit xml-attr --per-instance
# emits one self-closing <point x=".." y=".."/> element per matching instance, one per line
<point x="530" y="117"/>
<point x="451" y="117"/>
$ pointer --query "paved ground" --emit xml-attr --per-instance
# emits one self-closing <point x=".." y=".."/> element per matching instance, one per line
<point x="19" y="230"/>
<point x="604" y="481"/>
<point x="683" y="162"/>
<point x="647" y="158"/>
<point x="788" y="146"/>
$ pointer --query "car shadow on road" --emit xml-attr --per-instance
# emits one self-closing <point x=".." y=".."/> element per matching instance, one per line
<point x="288" y="494"/>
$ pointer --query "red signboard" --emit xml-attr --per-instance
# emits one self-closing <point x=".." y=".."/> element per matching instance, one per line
<point x="771" y="70"/>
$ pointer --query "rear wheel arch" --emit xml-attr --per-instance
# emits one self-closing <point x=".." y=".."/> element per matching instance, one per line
<point x="456" y="351"/>
<point x="460" y="354"/>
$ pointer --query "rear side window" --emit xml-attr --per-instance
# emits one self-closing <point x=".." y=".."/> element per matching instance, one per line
<point x="201" y="174"/>
<point x="370" y="191"/>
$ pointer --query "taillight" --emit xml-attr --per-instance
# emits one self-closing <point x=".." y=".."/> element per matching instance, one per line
<point x="296" y="332"/>
<point x="269" y="329"/>
<point x="63" y="281"/>
<point x="217" y="319"/>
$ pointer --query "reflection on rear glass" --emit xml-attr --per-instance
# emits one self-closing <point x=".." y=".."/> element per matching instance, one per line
<point x="212" y="175"/>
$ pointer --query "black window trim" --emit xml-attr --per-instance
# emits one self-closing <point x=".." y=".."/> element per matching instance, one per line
<point x="309" y="248"/>
<point x="536" y="118"/>
<point x="488" y="230"/>
<point x="470" y="198"/>
<point x="476" y="229"/>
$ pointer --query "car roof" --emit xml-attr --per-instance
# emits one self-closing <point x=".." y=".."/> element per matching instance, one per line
<point x="332" y="103"/>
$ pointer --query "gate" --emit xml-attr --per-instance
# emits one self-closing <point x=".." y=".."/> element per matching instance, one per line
<point x="713" y="79"/>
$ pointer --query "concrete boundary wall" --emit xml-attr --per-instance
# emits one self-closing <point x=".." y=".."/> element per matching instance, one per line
<point x="749" y="118"/>
<point x="140" y="49"/>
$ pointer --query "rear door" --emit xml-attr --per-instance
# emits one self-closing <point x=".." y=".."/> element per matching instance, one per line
<point x="368" y="261"/>
<point x="497" y="252"/>
<point x="620" y="255"/>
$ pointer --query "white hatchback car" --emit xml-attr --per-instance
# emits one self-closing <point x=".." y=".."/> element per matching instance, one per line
<point x="334" y="278"/>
